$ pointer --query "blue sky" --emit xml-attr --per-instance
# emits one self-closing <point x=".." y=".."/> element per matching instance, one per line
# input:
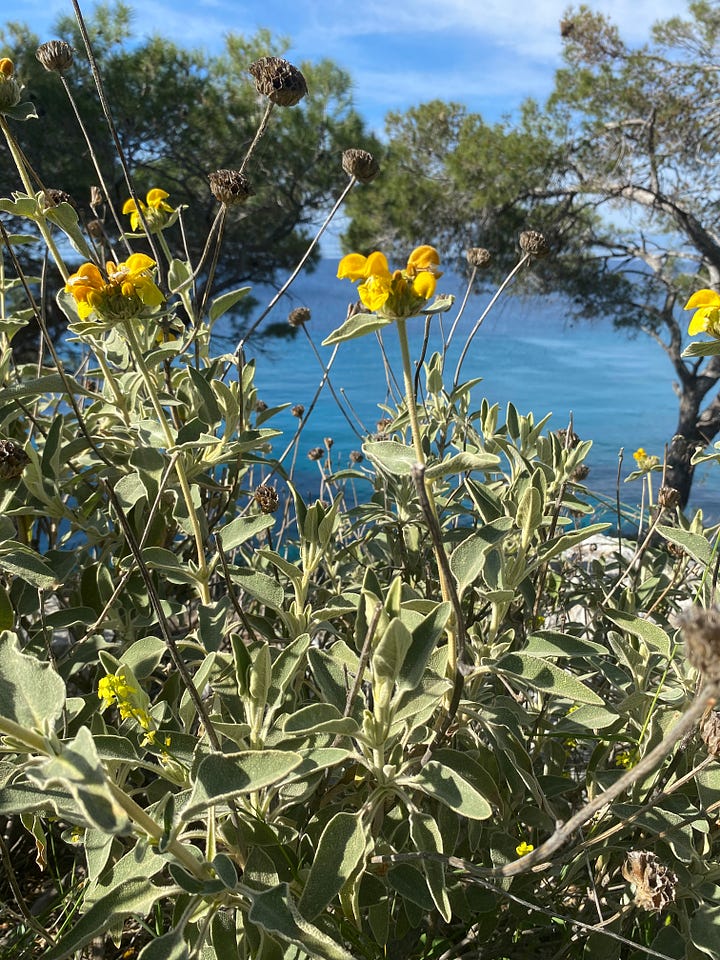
<point x="487" y="54"/>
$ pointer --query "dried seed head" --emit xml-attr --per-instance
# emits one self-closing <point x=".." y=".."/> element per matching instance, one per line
<point x="478" y="257"/>
<point x="266" y="498"/>
<point x="568" y="438"/>
<point x="654" y="883"/>
<point x="701" y="629"/>
<point x="356" y="456"/>
<point x="381" y="427"/>
<point x="9" y="87"/>
<point x="96" y="197"/>
<point x="534" y="243"/>
<point x="96" y="229"/>
<point x="317" y="453"/>
<point x="329" y="442"/>
<point x="298" y="410"/>
<point x="360" y="164"/>
<point x="710" y="732"/>
<point x="53" y="197"/>
<point x="668" y="498"/>
<point x="580" y="473"/>
<point x="299" y="316"/>
<point x="278" y="80"/>
<point x="260" y="406"/>
<point x="13" y="460"/>
<point x="55" y="55"/>
<point x="229" y="186"/>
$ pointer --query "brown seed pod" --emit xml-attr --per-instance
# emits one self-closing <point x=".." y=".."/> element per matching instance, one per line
<point x="266" y="498"/>
<point x="534" y="243"/>
<point x="299" y="316"/>
<point x="701" y="629"/>
<point x="279" y="81"/>
<point x="229" y="186"/>
<point x="478" y="257"/>
<point x="360" y="164"/>
<point x="317" y="453"/>
<point x="55" y="55"/>
<point x="654" y="883"/>
<point x="298" y="411"/>
<point x="13" y="460"/>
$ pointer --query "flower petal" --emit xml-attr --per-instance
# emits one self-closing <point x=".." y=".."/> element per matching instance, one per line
<point x="352" y="267"/>
<point x="377" y="265"/>
<point x="703" y="298"/>
<point x="156" y="196"/>
<point x="424" y="284"/>
<point x="424" y="257"/>
<point x="138" y="263"/>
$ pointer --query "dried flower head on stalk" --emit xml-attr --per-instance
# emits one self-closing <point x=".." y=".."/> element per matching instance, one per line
<point x="701" y="629"/>
<point x="533" y="242"/>
<point x="266" y="498"/>
<point x="13" y="460"/>
<point x="710" y="733"/>
<point x="56" y="55"/>
<point x="654" y="882"/>
<point x="54" y="197"/>
<point x="299" y="316"/>
<point x="316" y="453"/>
<point x="229" y="186"/>
<point x="478" y="257"/>
<point x="279" y="81"/>
<point x="298" y="411"/>
<point x="360" y="164"/>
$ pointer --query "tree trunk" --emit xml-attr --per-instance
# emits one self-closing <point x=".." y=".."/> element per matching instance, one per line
<point x="694" y="432"/>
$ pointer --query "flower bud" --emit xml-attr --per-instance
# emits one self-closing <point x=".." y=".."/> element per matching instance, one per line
<point x="534" y="243"/>
<point x="279" y="81"/>
<point x="478" y="257"/>
<point x="55" y="55"/>
<point x="229" y="186"/>
<point x="360" y="164"/>
<point x="13" y="460"/>
<point x="298" y="411"/>
<point x="329" y="443"/>
<point x="9" y="87"/>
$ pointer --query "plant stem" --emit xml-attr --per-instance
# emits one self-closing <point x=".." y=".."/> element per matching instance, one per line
<point x="202" y="570"/>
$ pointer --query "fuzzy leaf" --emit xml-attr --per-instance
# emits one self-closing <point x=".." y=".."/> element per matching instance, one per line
<point x="356" y="326"/>
<point x="221" y="777"/>
<point x="31" y="693"/>
<point x="543" y="675"/>
<point x="274" y="911"/>
<point x="341" y="847"/>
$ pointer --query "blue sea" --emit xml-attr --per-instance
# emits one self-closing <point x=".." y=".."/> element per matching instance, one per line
<point x="529" y="351"/>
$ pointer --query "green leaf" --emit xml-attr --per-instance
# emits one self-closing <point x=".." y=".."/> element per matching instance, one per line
<point x="225" y="301"/>
<point x="426" y="837"/>
<point x="356" y="326"/>
<point x="31" y="693"/>
<point x="221" y="777"/>
<point x="397" y="458"/>
<point x="318" y="718"/>
<point x="549" y="643"/>
<point x="543" y="675"/>
<point x="468" y="558"/>
<point x="389" y="654"/>
<point x="702" y="348"/>
<point x="7" y="614"/>
<point x="23" y="562"/>
<point x="443" y="784"/>
<point x="242" y="529"/>
<point x="341" y="847"/>
<point x="693" y="543"/>
<point x="554" y="547"/>
<point x="132" y="897"/>
<point x="653" y="635"/>
<point x="78" y="770"/>
<point x="259" y="585"/>
<point x="462" y="463"/>
<point x="424" y="639"/>
<point x="274" y="911"/>
<point x="440" y="304"/>
<point x="22" y="111"/>
<point x="170" y="946"/>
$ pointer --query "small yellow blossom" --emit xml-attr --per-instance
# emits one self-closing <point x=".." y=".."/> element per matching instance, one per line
<point x="522" y="849"/>
<point x="9" y="87"/>
<point x="128" y="289"/>
<point x="706" y="319"/>
<point x="625" y="759"/>
<point x="154" y="209"/>
<point x="644" y="461"/>
<point x="131" y="701"/>
<point x="398" y="294"/>
<point x="7" y="68"/>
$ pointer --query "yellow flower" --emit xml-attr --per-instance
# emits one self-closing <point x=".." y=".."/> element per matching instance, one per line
<point x="9" y="87"/>
<point x="625" y="759"/>
<point x="129" y="288"/>
<point x="131" y="701"/>
<point x="706" y="319"/>
<point x="154" y="209"/>
<point x="524" y="848"/>
<point x="644" y="461"/>
<point x="7" y="68"/>
<point x="398" y="294"/>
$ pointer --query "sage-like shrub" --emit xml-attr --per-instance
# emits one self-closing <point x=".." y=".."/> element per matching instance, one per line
<point x="449" y="717"/>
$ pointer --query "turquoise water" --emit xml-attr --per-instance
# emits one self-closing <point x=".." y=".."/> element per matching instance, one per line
<point x="618" y="390"/>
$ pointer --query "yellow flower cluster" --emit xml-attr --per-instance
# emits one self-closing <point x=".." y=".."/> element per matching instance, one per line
<point x="644" y="461"/>
<point x="128" y="289"/>
<point x="522" y="849"/>
<point x="706" y="319"/>
<point x="131" y="703"/>
<point x="394" y="295"/>
<point x="154" y="210"/>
